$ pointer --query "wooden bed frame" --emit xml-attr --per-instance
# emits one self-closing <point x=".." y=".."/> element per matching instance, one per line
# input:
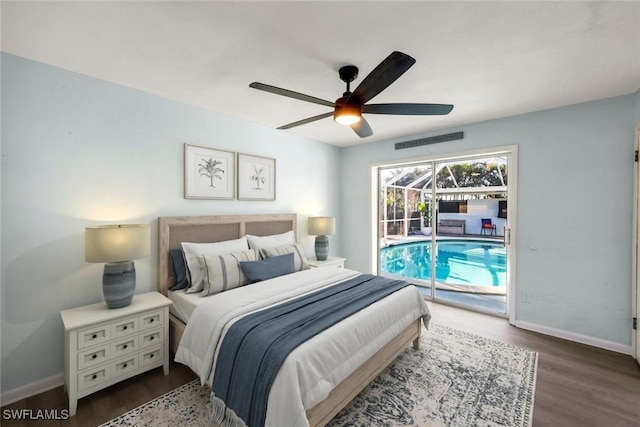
<point x="204" y="229"/>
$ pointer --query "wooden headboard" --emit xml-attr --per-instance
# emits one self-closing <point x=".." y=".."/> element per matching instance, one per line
<point x="173" y="230"/>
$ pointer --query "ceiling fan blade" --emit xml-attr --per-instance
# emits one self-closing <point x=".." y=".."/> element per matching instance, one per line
<point x="291" y="94"/>
<point x="307" y="120"/>
<point x="382" y="76"/>
<point x="362" y="128"/>
<point x="408" y="109"/>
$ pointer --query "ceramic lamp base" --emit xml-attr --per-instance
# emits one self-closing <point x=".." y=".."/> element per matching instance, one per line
<point x="322" y="248"/>
<point x="119" y="283"/>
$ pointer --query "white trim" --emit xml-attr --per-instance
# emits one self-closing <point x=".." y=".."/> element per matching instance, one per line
<point x="572" y="336"/>
<point x="374" y="200"/>
<point x="635" y="262"/>
<point x="446" y="157"/>
<point x="511" y="234"/>
<point x="28" y="390"/>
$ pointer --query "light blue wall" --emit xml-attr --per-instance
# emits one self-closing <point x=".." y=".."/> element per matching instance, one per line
<point x="77" y="151"/>
<point x="575" y="192"/>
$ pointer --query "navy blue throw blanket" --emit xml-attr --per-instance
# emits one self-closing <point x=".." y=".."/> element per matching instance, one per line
<point x="255" y="346"/>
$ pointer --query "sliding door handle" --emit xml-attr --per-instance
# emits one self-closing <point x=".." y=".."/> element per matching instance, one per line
<point x="506" y="239"/>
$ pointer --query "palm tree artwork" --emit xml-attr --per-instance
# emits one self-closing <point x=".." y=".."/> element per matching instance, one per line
<point x="211" y="170"/>
<point x="257" y="177"/>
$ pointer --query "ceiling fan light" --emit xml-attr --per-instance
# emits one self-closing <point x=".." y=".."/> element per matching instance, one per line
<point x="347" y="114"/>
<point x="346" y="119"/>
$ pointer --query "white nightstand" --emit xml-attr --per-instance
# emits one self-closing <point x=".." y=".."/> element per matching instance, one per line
<point x="104" y="346"/>
<point x="331" y="261"/>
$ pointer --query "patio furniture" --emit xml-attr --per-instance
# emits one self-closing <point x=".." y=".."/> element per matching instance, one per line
<point x="451" y="226"/>
<point x="488" y="225"/>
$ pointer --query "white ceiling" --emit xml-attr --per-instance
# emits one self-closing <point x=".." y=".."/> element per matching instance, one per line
<point x="489" y="59"/>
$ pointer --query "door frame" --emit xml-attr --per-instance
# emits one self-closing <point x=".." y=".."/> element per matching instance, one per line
<point x="510" y="234"/>
<point x="635" y="288"/>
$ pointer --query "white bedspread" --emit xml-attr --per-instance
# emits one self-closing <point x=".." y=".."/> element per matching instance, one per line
<point x="315" y="367"/>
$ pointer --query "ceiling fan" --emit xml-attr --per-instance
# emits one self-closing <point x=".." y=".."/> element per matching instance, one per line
<point x="348" y="109"/>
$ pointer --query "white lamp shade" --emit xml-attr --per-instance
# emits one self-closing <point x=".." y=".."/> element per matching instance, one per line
<point x="321" y="226"/>
<point x="117" y="243"/>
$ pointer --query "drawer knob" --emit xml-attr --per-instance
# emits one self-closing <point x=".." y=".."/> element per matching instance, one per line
<point x="151" y="356"/>
<point x="94" y="377"/>
<point x="125" y="327"/>
<point x="151" y="338"/>
<point x="124" y="346"/>
<point x="151" y="321"/>
<point x="94" y="336"/>
<point x="94" y="356"/>
<point x="124" y="366"/>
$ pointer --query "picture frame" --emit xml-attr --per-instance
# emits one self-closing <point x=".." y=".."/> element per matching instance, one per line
<point x="209" y="173"/>
<point x="256" y="177"/>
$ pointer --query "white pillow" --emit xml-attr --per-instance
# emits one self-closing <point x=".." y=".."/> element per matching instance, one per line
<point x="193" y="251"/>
<point x="223" y="272"/>
<point x="299" y="260"/>
<point x="262" y="242"/>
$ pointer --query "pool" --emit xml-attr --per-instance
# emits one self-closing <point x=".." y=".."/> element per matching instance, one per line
<point x="464" y="265"/>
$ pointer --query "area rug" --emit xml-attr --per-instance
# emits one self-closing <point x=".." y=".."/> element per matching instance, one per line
<point x="455" y="379"/>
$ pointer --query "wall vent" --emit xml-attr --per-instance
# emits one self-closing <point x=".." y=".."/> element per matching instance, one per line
<point x="429" y="140"/>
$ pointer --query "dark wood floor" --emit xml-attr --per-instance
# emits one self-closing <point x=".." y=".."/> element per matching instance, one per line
<point x="106" y="404"/>
<point x="577" y="385"/>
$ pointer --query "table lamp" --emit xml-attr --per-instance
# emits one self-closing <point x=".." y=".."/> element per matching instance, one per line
<point x="117" y="246"/>
<point x="321" y="227"/>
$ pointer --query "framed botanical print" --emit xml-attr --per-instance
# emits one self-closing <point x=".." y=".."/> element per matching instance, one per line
<point x="208" y="173"/>
<point x="256" y="177"/>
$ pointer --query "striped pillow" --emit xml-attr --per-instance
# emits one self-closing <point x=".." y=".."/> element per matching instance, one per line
<point x="193" y="253"/>
<point x="223" y="272"/>
<point x="299" y="260"/>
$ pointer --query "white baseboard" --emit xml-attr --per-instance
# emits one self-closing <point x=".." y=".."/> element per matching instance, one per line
<point x="571" y="336"/>
<point x="28" y="390"/>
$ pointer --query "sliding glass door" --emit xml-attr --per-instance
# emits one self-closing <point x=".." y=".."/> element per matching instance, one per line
<point x="471" y="197"/>
<point x="405" y="223"/>
<point x="444" y="225"/>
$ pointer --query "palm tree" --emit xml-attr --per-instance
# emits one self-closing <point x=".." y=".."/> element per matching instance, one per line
<point x="210" y="170"/>
<point x="257" y="177"/>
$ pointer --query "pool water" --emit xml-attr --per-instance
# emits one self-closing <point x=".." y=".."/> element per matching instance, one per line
<point x="458" y="262"/>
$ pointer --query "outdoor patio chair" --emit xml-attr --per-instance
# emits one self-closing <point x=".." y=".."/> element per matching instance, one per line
<point x="488" y="225"/>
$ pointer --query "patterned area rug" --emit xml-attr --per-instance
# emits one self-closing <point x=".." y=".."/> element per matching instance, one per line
<point x="455" y="379"/>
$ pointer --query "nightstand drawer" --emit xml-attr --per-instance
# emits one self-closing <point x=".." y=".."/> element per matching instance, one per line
<point x="93" y="377"/>
<point x="93" y="336"/>
<point x="151" y="320"/>
<point x="124" y="346"/>
<point x="94" y="357"/>
<point x="151" y="356"/>
<point x="152" y="337"/>
<point x="124" y="366"/>
<point x="124" y="327"/>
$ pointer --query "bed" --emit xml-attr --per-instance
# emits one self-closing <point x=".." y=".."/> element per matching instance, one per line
<point x="175" y="230"/>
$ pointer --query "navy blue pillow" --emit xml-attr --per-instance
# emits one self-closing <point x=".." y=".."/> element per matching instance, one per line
<point x="257" y="271"/>
<point x="179" y="269"/>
